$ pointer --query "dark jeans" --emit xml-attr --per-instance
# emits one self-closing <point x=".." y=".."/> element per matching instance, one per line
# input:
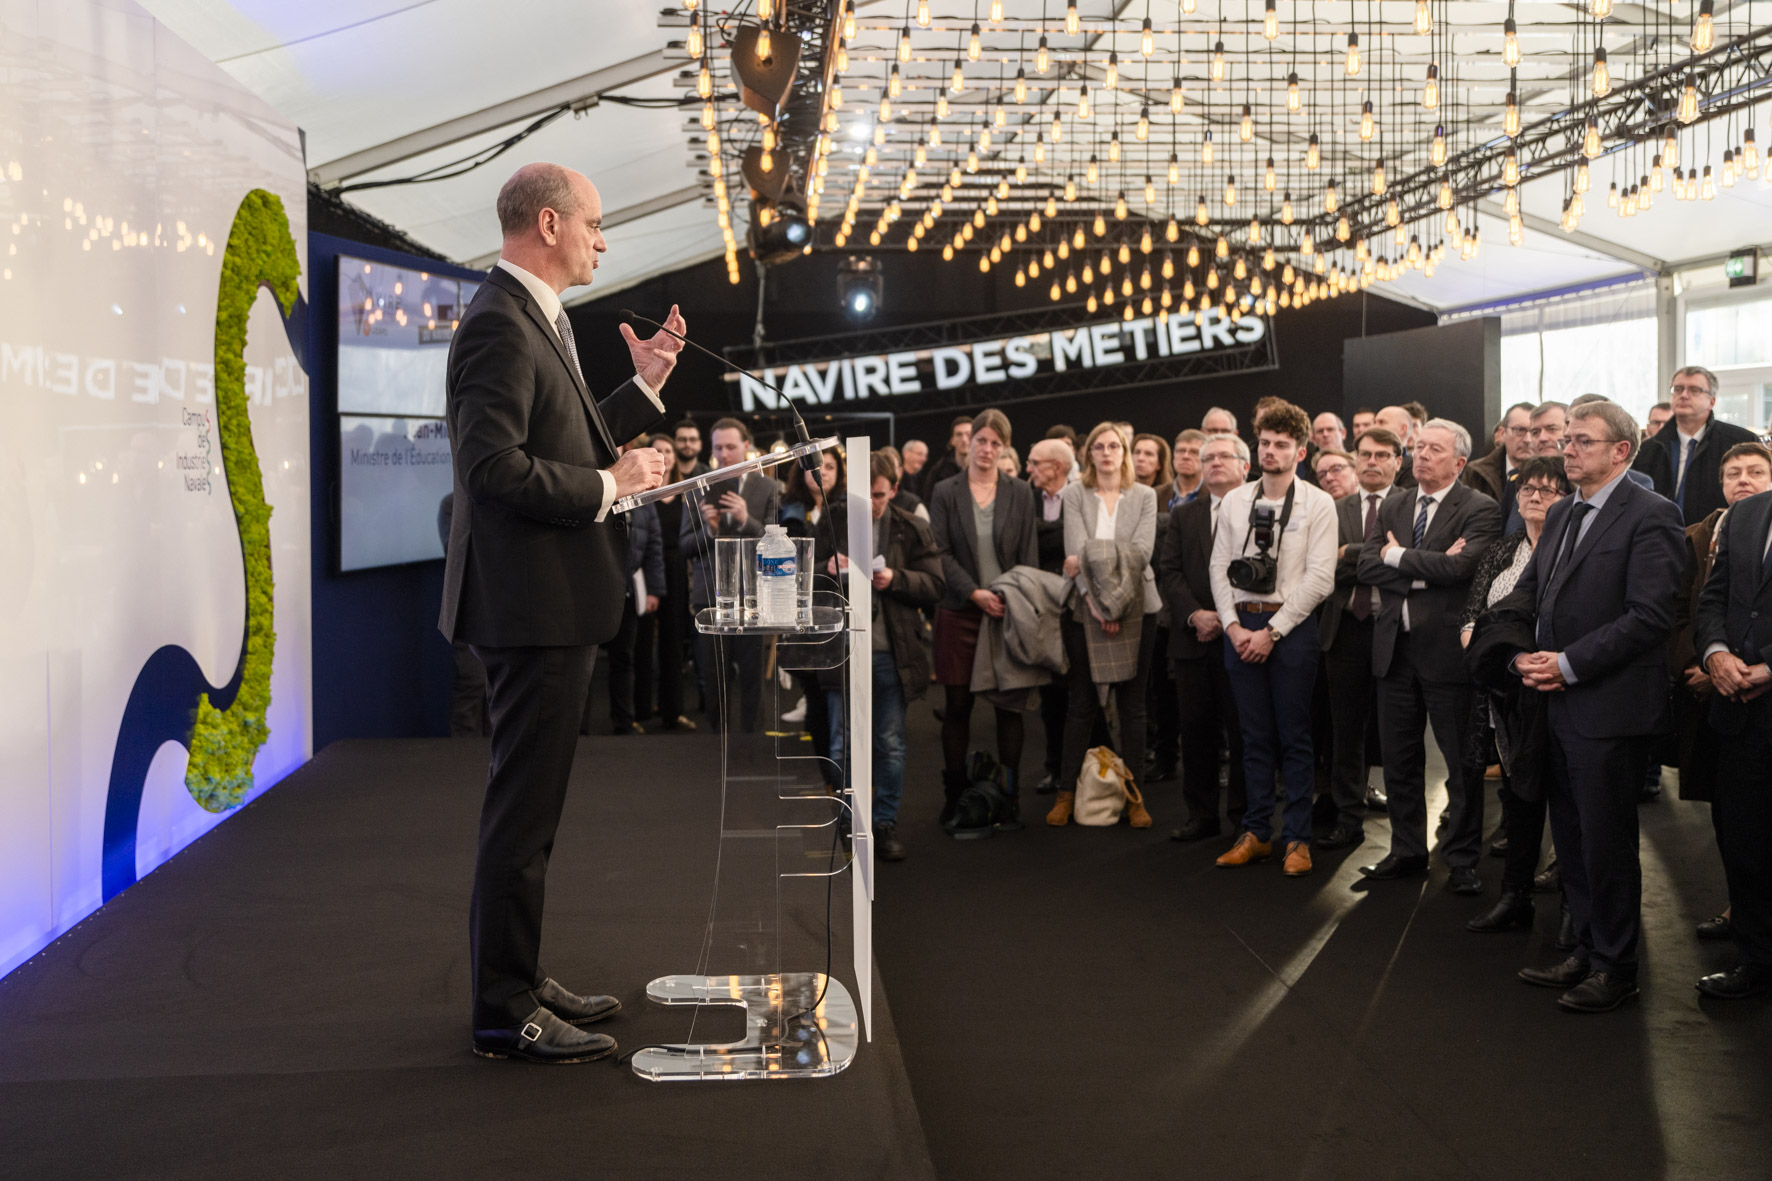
<point x="1593" y="818"/>
<point x="1408" y="705"/>
<point x="732" y="678"/>
<point x="1208" y="722"/>
<point x="1742" y="811"/>
<point x="889" y="736"/>
<point x="1085" y="703"/>
<point x="1274" y="710"/>
<point x="1352" y="690"/>
<point x="537" y="698"/>
<point x="658" y="644"/>
<point x="467" y="694"/>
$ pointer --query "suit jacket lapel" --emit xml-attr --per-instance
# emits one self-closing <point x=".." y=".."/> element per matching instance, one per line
<point x="1610" y="515"/>
<point x="515" y="286"/>
<point x="1443" y="518"/>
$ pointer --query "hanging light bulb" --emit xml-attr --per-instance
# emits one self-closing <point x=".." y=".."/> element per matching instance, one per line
<point x="1254" y="230"/>
<point x="1600" y="9"/>
<point x="1353" y="54"/>
<point x="1437" y="149"/>
<point x="1378" y="183"/>
<point x="766" y="161"/>
<point x="1750" y="155"/>
<point x="1704" y="33"/>
<point x="1590" y="139"/>
<point x="1112" y="78"/>
<point x="1342" y="230"/>
<point x="1143" y="130"/>
<point x="1286" y="214"/>
<point x="1150" y="191"/>
<point x="1612" y="196"/>
<point x="1430" y="90"/>
<point x="1670" y="148"/>
<point x="1444" y="200"/>
<point x="1424" y="21"/>
<point x="1368" y="123"/>
<point x="1021" y="89"/>
<point x="1313" y="154"/>
<point x="1656" y="179"/>
<point x="1602" y="79"/>
<point x="1510" y="169"/>
<point x="923" y="14"/>
<point x="1270" y="179"/>
<point x="1230" y="191"/>
<point x="1583" y="178"/>
<point x="1042" y="56"/>
<point x="1201" y="215"/>
<point x="1688" y="110"/>
<point x="1206" y="149"/>
<point x="1092" y="173"/>
<point x="1147" y="41"/>
<point x="692" y="43"/>
<point x="1174" y="169"/>
<point x="1120" y="206"/>
<point x="885" y="105"/>
<point x="996" y="12"/>
<point x="1331" y="199"/>
<point x="1193" y="258"/>
<point x="1510" y="43"/>
<point x="1305" y="245"/>
<point x="1083" y="101"/>
<point x="1217" y="67"/>
<point x="894" y="85"/>
<point x="708" y="119"/>
<point x="704" y="83"/>
<point x="1124" y="255"/>
<point x="1294" y="101"/>
<point x="1510" y="116"/>
<point x="763" y="47"/>
<point x="765" y="10"/>
<point x="1175" y="96"/>
<point x="1057" y="131"/>
<point x="1072" y="22"/>
<point x="1070" y="188"/>
<point x="1171" y="230"/>
<point x="1246" y="126"/>
<point x="973" y="45"/>
<point x="1221" y="248"/>
<point x="1708" y="191"/>
<point x="1168" y="268"/>
<point x="1100" y="226"/>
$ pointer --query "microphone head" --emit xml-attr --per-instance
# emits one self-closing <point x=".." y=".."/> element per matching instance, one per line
<point x="627" y="315"/>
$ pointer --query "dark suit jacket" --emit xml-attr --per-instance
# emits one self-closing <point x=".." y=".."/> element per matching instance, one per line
<point x="1704" y="486"/>
<point x="1012" y="531"/>
<point x="1350" y="526"/>
<point x="1183" y="574"/>
<point x="528" y="563"/>
<point x="1735" y="607"/>
<point x="1609" y="610"/>
<point x="1436" y="611"/>
<point x="646" y="549"/>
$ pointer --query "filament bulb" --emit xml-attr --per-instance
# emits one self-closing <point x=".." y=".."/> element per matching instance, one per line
<point x="1430" y="90"/>
<point x="1353" y="54"/>
<point x="1246" y="126"/>
<point x="1042" y="56"/>
<point x="1313" y="154"/>
<point x="1270" y="22"/>
<point x="1437" y="149"/>
<point x="1424" y="21"/>
<point x="1072" y="22"/>
<point x="1217" y="69"/>
<point x="1147" y="41"/>
<point x="1704" y="34"/>
<point x="1294" y="101"/>
<point x="1510" y="43"/>
<point x="1602" y="80"/>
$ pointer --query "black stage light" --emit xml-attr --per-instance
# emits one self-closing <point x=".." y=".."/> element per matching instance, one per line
<point x="860" y="283"/>
<point x="779" y="231"/>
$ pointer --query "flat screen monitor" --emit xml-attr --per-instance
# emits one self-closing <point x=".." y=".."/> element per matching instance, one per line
<point x="394" y="329"/>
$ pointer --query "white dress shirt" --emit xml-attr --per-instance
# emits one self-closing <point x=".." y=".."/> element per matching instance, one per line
<point x="1306" y="554"/>
<point x="547" y="302"/>
<point x="1393" y="554"/>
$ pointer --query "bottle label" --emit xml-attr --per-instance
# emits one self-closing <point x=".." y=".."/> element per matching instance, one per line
<point x="775" y="567"/>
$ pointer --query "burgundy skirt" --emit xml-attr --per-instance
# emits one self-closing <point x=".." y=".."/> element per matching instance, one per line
<point x="956" y="640"/>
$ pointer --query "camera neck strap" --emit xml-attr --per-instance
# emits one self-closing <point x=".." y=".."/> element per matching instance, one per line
<point x="1280" y="525"/>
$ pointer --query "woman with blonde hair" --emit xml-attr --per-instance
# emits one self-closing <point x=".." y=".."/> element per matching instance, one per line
<point x="1110" y="533"/>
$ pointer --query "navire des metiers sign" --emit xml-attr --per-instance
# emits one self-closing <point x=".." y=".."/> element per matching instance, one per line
<point x="1010" y="360"/>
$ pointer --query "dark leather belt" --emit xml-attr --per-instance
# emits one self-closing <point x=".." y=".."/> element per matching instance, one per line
<point x="1260" y="608"/>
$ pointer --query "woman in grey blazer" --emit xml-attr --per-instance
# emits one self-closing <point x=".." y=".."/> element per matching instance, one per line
<point x="983" y="523"/>
<point x="1107" y="504"/>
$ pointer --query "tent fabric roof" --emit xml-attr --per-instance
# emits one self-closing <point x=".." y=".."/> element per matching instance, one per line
<point x="360" y="74"/>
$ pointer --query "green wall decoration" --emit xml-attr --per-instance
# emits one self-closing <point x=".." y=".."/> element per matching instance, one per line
<point x="224" y="743"/>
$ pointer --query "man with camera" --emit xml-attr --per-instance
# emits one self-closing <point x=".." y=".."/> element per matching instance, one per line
<point x="1273" y="562"/>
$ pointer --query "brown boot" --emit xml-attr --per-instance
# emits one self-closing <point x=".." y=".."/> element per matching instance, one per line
<point x="1298" y="859"/>
<point x="1136" y="813"/>
<point x="1247" y="849"/>
<point x="1061" y="809"/>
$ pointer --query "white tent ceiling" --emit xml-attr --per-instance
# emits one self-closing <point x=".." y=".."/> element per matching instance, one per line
<point x="374" y="81"/>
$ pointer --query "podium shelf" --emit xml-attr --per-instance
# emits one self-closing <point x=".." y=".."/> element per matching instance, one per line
<point x="826" y="621"/>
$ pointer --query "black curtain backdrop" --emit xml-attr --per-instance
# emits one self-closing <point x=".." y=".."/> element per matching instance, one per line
<point x="802" y="301"/>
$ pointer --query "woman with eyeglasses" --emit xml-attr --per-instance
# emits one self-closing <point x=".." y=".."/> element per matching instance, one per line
<point x="1541" y="483"/>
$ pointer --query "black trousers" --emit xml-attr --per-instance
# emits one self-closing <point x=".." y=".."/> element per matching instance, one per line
<point x="1741" y="808"/>
<point x="1055" y="703"/>
<point x="1086" y="708"/>
<point x="1407" y="706"/>
<point x="1353" y="691"/>
<point x="1163" y="705"/>
<point x="620" y="648"/>
<point x="537" y="698"/>
<point x="1522" y="821"/>
<point x="1209" y="723"/>
<point x="467" y="694"/>
<point x="658" y="662"/>
<point x="1593" y="818"/>
<point x="740" y="670"/>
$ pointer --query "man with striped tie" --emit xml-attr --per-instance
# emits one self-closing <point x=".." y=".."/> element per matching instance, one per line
<point x="1427" y="545"/>
<point x="535" y="577"/>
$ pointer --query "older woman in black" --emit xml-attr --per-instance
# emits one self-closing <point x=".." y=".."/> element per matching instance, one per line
<point x="1540" y="483"/>
<point x="983" y="522"/>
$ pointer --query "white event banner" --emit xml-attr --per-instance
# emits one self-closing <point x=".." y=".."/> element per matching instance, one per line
<point x="125" y="158"/>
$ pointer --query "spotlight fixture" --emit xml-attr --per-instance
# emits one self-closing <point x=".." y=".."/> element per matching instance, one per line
<point x="860" y="282"/>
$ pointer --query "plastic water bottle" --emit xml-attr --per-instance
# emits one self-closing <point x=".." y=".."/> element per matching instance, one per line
<point x="775" y="578"/>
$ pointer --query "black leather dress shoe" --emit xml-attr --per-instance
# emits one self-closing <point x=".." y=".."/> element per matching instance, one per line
<point x="1377" y="800"/>
<point x="543" y="1038"/>
<point x="1343" y="836"/>
<point x="1565" y="975"/>
<point x="1601" y="992"/>
<point x="572" y="1008"/>
<point x="1393" y="867"/>
<point x="1513" y="909"/>
<point x="1720" y="927"/>
<point x="1740" y="981"/>
<point x="1464" y="880"/>
<point x="1195" y="830"/>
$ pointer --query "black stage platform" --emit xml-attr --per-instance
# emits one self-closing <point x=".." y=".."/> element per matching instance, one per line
<point x="287" y="998"/>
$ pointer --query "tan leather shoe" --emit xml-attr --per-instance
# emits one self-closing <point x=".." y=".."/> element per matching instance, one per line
<point x="1247" y="849"/>
<point x="1136" y="812"/>
<point x="1061" y="809"/>
<point x="1298" y="859"/>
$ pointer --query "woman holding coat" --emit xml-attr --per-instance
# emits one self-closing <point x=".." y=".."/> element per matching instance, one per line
<point x="1109" y="650"/>
<point x="983" y="523"/>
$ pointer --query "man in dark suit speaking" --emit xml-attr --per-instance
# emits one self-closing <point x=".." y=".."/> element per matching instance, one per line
<point x="535" y="576"/>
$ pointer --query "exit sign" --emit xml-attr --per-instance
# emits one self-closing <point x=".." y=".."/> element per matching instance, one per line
<point x="1743" y="268"/>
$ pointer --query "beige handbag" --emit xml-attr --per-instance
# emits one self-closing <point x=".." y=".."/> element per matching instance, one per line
<point x="1103" y="789"/>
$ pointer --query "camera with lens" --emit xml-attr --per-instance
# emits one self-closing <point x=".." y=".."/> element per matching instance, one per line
<point x="1259" y="571"/>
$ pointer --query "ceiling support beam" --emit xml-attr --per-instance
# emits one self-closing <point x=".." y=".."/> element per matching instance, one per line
<point x="622" y="216"/>
<point x="1546" y="226"/>
<point x="527" y="106"/>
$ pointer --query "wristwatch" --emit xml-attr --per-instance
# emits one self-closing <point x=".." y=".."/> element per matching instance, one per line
<point x="1272" y="634"/>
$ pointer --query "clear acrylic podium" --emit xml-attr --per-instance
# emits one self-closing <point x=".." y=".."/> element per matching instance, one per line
<point x="774" y="927"/>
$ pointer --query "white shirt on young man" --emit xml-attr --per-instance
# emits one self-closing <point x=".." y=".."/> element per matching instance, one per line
<point x="1306" y="554"/>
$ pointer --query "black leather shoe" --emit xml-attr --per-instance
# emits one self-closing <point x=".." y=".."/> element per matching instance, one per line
<point x="1740" y="981"/>
<point x="1720" y="927"/>
<point x="1343" y="836"/>
<point x="1393" y="867"/>
<point x="1377" y="800"/>
<point x="1498" y="847"/>
<point x="1195" y="830"/>
<point x="572" y="1008"/>
<point x="1047" y="786"/>
<point x="1565" y="975"/>
<point x="1549" y="880"/>
<point x="1512" y="910"/>
<point x="1566" y="937"/>
<point x="887" y="846"/>
<point x="1464" y="880"/>
<point x="1601" y="992"/>
<point x="543" y="1038"/>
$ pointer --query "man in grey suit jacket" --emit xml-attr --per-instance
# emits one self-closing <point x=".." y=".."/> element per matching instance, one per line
<point x="534" y="577"/>
<point x="1427" y="545"/>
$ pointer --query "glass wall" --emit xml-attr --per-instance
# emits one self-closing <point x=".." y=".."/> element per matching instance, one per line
<point x="1603" y="343"/>
<point x="1734" y="340"/>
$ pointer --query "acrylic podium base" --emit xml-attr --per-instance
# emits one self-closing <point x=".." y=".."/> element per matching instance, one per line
<point x="785" y="1037"/>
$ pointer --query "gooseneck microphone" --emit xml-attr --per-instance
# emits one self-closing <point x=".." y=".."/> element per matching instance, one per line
<point x="808" y="461"/>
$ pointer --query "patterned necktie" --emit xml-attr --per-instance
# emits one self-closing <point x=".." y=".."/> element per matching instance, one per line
<point x="1421" y="520"/>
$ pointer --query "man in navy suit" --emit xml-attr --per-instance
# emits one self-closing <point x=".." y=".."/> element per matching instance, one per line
<point x="1603" y="581"/>
<point x="1733" y="631"/>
